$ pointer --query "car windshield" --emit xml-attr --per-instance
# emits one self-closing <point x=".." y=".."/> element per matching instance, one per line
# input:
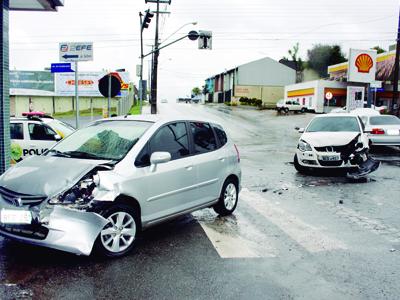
<point x="110" y="140"/>
<point x="384" y="120"/>
<point x="334" y="124"/>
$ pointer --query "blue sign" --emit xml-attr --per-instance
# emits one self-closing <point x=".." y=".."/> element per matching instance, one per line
<point x="61" y="68"/>
<point x="377" y="89"/>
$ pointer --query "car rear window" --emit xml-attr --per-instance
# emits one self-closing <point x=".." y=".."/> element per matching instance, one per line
<point x="334" y="124"/>
<point x="221" y="135"/>
<point x="384" y="120"/>
<point x="16" y="131"/>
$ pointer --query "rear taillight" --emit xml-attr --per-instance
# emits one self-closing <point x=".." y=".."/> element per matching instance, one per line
<point x="377" y="131"/>
<point x="237" y="153"/>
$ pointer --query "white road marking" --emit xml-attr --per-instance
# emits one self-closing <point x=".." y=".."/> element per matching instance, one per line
<point x="234" y="236"/>
<point x="306" y="235"/>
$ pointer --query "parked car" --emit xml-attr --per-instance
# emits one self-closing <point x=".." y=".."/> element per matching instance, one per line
<point x="34" y="134"/>
<point x="382" y="129"/>
<point x="334" y="141"/>
<point x="100" y="186"/>
<point x="290" y="105"/>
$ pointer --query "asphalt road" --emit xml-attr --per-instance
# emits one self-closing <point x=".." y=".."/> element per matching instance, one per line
<point x="292" y="236"/>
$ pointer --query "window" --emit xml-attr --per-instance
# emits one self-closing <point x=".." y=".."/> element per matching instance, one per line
<point x="41" y="132"/>
<point x="171" y="138"/>
<point x="334" y="124"/>
<point x="203" y="137"/>
<point x="16" y="131"/>
<point x="220" y="134"/>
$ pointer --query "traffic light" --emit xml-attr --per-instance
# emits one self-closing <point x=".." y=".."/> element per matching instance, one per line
<point x="147" y="19"/>
<point x="205" y="39"/>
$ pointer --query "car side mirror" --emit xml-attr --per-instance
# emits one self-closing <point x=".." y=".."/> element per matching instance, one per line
<point x="300" y="130"/>
<point x="159" y="158"/>
<point x="57" y="137"/>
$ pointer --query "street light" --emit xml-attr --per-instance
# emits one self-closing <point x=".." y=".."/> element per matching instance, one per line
<point x="190" y="23"/>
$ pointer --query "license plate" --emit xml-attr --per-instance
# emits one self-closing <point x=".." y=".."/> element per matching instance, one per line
<point x="9" y="216"/>
<point x="393" y="132"/>
<point x="330" y="158"/>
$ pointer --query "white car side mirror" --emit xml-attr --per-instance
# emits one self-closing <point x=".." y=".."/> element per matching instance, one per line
<point x="159" y="158"/>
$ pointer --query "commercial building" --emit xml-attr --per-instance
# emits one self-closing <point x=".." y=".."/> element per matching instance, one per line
<point x="263" y="79"/>
<point x="312" y="94"/>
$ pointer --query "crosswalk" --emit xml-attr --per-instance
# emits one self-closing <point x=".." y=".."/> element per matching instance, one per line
<point x="257" y="227"/>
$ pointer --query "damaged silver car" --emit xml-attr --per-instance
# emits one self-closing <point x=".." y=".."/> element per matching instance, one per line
<point x="335" y="141"/>
<point x="99" y="187"/>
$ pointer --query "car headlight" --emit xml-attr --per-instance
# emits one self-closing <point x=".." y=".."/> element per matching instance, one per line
<point x="79" y="195"/>
<point x="304" y="146"/>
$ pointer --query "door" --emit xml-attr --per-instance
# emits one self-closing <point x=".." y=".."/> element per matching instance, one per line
<point x="171" y="186"/>
<point x="41" y="138"/>
<point x="17" y="141"/>
<point x="210" y="162"/>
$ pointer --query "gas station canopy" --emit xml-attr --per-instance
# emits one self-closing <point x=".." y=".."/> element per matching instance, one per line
<point x="36" y="5"/>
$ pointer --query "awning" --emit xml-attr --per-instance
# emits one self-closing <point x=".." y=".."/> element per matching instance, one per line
<point x="36" y="5"/>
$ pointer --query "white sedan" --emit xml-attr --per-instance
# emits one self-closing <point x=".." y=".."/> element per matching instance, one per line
<point x="334" y="141"/>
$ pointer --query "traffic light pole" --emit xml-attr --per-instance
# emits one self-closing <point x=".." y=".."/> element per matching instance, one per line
<point x="155" y="65"/>
<point x="141" y="65"/>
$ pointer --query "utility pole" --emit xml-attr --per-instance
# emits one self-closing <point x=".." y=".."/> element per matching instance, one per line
<point x="155" y="65"/>
<point x="396" y="73"/>
<point x="154" y="73"/>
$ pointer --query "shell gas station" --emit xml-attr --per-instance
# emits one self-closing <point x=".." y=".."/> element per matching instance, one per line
<point x="373" y="73"/>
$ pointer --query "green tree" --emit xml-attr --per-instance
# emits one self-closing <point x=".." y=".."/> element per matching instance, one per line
<point x="298" y="62"/>
<point x="196" y="91"/>
<point x="322" y="56"/>
<point x="378" y="49"/>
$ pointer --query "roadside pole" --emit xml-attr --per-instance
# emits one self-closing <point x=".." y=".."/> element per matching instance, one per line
<point x="109" y="96"/>
<point x="76" y="96"/>
<point x="395" y="97"/>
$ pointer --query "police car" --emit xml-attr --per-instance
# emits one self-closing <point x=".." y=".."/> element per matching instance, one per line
<point x="34" y="133"/>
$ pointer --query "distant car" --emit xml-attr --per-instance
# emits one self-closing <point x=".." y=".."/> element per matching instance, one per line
<point x="382" y="129"/>
<point x="34" y="135"/>
<point x="334" y="141"/>
<point x="290" y="105"/>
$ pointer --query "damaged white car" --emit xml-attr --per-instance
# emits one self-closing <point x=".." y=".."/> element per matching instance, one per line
<point x="335" y="141"/>
<point x="100" y="186"/>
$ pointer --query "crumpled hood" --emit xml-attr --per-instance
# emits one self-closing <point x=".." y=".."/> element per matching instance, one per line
<point x="322" y="139"/>
<point x="46" y="175"/>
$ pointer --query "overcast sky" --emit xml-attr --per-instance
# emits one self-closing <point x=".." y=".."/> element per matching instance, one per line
<point x="243" y="31"/>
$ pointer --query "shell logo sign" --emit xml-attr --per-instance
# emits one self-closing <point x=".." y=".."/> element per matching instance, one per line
<point x="364" y="63"/>
<point x="362" y="66"/>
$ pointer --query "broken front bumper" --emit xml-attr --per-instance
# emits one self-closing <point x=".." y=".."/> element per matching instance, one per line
<point x="56" y="227"/>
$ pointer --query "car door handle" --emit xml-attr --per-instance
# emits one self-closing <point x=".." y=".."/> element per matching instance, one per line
<point x="221" y="159"/>
<point x="189" y="167"/>
<point x="32" y="146"/>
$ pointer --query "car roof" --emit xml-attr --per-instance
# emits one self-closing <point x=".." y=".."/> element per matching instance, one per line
<point x="337" y="115"/>
<point x="33" y="119"/>
<point x="159" y="118"/>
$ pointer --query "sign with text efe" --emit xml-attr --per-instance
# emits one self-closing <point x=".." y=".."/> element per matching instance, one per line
<point x="362" y="66"/>
<point x="73" y="52"/>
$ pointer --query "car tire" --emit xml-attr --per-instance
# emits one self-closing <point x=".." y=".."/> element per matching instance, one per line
<point x="112" y="242"/>
<point x="228" y="198"/>
<point x="303" y="110"/>
<point x="286" y="110"/>
<point x="299" y="168"/>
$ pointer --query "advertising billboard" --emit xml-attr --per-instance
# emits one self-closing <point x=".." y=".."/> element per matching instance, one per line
<point x="31" y="83"/>
<point x="88" y="83"/>
<point x="362" y="66"/>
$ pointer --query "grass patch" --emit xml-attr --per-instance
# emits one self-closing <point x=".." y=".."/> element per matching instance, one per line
<point x="135" y="110"/>
<point x="83" y="113"/>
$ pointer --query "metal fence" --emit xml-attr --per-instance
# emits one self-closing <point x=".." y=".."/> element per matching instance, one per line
<point x="125" y="104"/>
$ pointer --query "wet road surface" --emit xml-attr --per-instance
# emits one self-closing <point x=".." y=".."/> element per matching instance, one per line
<point x="291" y="237"/>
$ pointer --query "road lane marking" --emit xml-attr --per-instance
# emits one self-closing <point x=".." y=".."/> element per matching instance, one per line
<point x="306" y="235"/>
<point x="234" y="236"/>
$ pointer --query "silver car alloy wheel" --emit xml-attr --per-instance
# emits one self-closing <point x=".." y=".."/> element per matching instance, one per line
<point x="230" y="196"/>
<point x="119" y="233"/>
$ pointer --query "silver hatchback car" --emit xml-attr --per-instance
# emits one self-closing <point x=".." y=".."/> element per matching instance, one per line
<point x="99" y="187"/>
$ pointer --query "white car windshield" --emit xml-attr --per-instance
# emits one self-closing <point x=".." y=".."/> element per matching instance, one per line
<point x="110" y="140"/>
<point x="334" y="124"/>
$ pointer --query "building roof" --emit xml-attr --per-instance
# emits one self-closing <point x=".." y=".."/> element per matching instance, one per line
<point x="36" y="5"/>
